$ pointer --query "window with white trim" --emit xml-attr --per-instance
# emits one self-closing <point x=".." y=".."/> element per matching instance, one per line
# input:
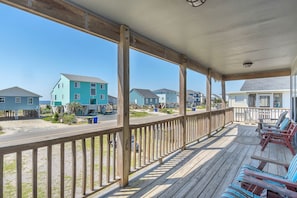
<point x="264" y="101"/>
<point x="17" y="99"/>
<point x="2" y="99"/>
<point x="102" y="86"/>
<point x="76" y="96"/>
<point x="30" y="101"/>
<point x="76" y="85"/>
<point x="93" y="89"/>
<point x="102" y="97"/>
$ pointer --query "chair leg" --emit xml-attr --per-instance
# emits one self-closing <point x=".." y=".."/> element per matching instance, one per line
<point x="264" y="144"/>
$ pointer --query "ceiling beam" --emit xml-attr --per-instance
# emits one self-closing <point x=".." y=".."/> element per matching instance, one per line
<point x="262" y="74"/>
<point x="76" y="17"/>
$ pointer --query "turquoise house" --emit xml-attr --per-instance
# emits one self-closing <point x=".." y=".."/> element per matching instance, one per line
<point x="143" y="97"/>
<point x="89" y="92"/>
<point x="15" y="99"/>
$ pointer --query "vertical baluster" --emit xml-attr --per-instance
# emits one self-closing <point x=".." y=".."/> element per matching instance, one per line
<point x="161" y="139"/>
<point x="84" y="166"/>
<point x="1" y="175"/>
<point x="62" y="170"/>
<point x="19" y="174"/>
<point x="108" y="159"/>
<point x="140" y="146"/>
<point x="149" y="143"/>
<point x="73" y="169"/>
<point x="49" y="171"/>
<point x="114" y="157"/>
<point x="153" y="142"/>
<point x="134" y="147"/>
<point x="101" y="158"/>
<point x="92" y="162"/>
<point x="144" y="146"/>
<point x="34" y="173"/>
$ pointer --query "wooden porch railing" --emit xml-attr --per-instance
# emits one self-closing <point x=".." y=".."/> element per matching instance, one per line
<point x="253" y="114"/>
<point x="83" y="164"/>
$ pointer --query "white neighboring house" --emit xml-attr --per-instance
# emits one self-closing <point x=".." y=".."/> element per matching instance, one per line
<point x="263" y="92"/>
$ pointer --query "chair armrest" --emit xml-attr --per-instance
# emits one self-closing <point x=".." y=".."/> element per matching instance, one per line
<point x="267" y="160"/>
<point x="271" y="187"/>
<point x="261" y="176"/>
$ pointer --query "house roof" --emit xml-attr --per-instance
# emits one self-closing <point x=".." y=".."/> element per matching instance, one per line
<point x="146" y="93"/>
<point x="164" y="90"/>
<point x="276" y="83"/>
<point x="17" y="91"/>
<point x="83" y="78"/>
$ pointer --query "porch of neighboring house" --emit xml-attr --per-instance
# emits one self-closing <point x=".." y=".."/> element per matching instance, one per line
<point x="205" y="169"/>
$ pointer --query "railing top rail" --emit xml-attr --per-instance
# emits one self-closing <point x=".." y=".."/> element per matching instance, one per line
<point x="6" y="149"/>
<point x="132" y="126"/>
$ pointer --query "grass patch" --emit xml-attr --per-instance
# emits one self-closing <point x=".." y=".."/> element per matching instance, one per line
<point x="138" y="114"/>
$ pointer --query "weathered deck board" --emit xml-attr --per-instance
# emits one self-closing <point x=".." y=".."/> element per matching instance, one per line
<point x="206" y="168"/>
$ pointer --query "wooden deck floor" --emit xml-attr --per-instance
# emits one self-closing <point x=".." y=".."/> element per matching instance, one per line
<point x="206" y="168"/>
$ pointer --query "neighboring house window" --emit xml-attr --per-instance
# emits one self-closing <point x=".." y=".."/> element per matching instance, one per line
<point x="264" y="101"/>
<point x="76" y="96"/>
<point x="146" y="100"/>
<point x="59" y="85"/>
<point x="102" y="86"/>
<point x="151" y="100"/>
<point x="277" y="100"/>
<point x="93" y="89"/>
<point x="76" y="84"/>
<point x="62" y="85"/>
<point x="17" y="99"/>
<point x="62" y="96"/>
<point x="30" y="101"/>
<point x="102" y="97"/>
<point x="93" y="101"/>
<point x="55" y="97"/>
<point x="2" y="99"/>
<point x="239" y="98"/>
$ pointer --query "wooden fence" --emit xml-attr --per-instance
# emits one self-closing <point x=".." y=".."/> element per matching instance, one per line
<point x="253" y="114"/>
<point x="80" y="165"/>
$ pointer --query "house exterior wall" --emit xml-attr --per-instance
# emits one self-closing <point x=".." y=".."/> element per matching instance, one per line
<point x="11" y="104"/>
<point x="64" y="93"/>
<point x="241" y="99"/>
<point x="162" y="98"/>
<point x="84" y="91"/>
<point x="136" y="98"/>
<point x="238" y="100"/>
<point x="151" y="101"/>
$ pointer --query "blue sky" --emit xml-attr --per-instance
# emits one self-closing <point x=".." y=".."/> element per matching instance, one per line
<point x="34" y="51"/>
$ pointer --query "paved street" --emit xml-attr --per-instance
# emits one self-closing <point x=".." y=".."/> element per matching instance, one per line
<point x="38" y="130"/>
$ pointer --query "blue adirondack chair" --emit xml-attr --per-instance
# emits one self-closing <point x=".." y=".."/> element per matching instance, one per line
<point x="288" y="181"/>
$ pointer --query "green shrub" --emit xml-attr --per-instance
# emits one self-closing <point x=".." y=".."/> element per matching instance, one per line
<point x="56" y="117"/>
<point x="165" y="110"/>
<point x="69" y="119"/>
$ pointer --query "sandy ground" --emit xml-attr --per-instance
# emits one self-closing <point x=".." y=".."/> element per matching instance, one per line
<point x="17" y="126"/>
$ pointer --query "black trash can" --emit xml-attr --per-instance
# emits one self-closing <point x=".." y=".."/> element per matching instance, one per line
<point x="90" y="120"/>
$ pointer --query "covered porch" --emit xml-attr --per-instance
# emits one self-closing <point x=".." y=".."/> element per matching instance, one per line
<point x="206" y="168"/>
<point x="204" y="40"/>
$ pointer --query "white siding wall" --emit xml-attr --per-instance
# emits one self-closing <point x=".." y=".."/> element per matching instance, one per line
<point x="238" y="100"/>
<point x="286" y="100"/>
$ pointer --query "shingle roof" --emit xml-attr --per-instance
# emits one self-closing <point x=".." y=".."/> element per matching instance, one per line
<point x="16" y="91"/>
<point x="84" y="78"/>
<point x="146" y="93"/>
<point x="276" y="83"/>
<point x="162" y="91"/>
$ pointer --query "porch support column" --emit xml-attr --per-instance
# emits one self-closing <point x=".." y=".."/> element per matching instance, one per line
<point x="208" y="99"/>
<point x="123" y="139"/>
<point x="224" y="99"/>
<point x="183" y="97"/>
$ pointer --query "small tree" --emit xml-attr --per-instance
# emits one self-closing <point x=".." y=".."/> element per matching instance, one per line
<point x="74" y="107"/>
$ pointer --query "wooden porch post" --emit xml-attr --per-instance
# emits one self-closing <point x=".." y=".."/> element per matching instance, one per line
<point x="208" y="99"/>
<point x="183" y="97"/>
<point x="224" y="99"/>
<point x="123" y="139"/>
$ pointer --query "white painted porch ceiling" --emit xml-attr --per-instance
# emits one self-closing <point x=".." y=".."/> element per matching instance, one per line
<point x="221" y="34"/>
